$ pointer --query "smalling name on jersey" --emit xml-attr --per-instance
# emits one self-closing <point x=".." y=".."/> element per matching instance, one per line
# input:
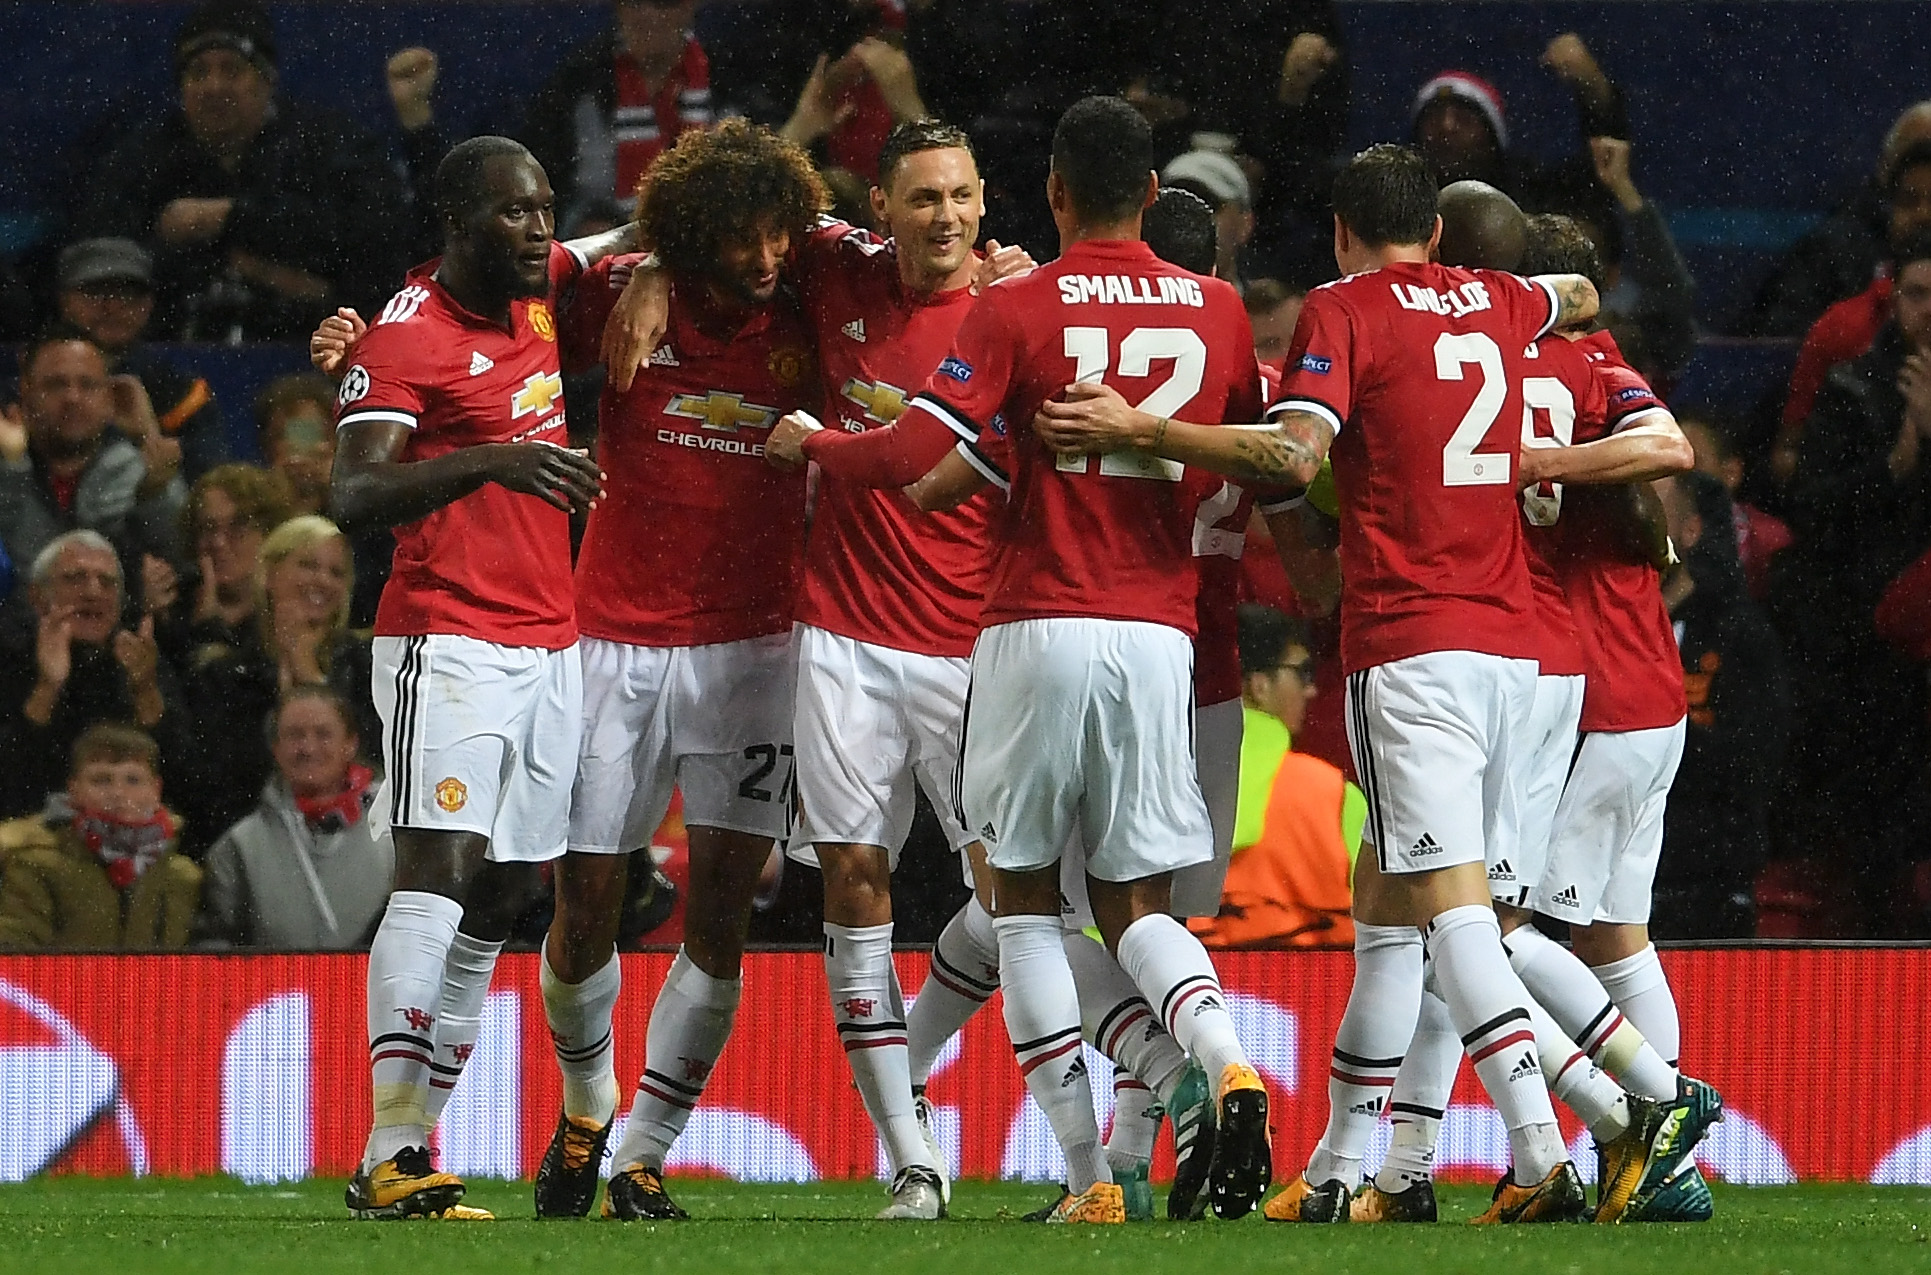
<point x="1126" y="289"/>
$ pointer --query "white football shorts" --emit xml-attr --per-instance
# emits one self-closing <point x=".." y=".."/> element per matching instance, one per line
<point x="1082" y="726"/>
<point x="1433" y="738"/>
<point x="871" y="723"/>
<point x="1542" y="765"/>
<point x="712" y="721"/>
<point x="1609" y="827"/>
<point x="477" y="738"/>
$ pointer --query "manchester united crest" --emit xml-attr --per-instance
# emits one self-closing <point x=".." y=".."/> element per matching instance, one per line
<point x="789" y="364"/>
<point x="541" y="321"/>
<point x="452" y="795"/>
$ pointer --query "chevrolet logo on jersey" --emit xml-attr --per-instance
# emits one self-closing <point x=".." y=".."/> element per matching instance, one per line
<point x="539" y="395"/>
<point x="719" y="410"/>
<point x="882" y="402"/>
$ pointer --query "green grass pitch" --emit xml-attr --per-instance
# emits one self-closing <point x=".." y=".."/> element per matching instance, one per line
<point x="215" y="1226"/>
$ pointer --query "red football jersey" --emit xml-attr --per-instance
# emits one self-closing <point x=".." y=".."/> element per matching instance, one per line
<point x="1634" y="670"/>
<point x="699" y="540"/>
<point x="1104" y="536"/>
<point x="1410" y="365"/>
<point x="877" y="569"/>
<point x="1561" y="395"/>
<point x="494" y="565"/>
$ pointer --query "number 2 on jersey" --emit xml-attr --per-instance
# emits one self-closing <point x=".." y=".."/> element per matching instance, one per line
<point x="1088" y="348"/>
<point x="1462" y="465"/>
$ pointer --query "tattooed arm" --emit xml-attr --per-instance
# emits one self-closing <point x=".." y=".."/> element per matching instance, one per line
<point x="1092" y="417"/>
<point x="1576" y="299"/>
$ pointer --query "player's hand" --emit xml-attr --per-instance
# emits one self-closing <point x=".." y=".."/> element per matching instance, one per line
<point x="891" y="70"/>
<point x="329" y="345"/>
<point x="1089" y="417"/>
<point x="636" y="324"/>
<point x="1610" y="155"/>
<point x="785" y="448"/>
<point x="192" y="221"/>
<point x="137" y="652"/>
<point x="412" y="78"/>
<point x="159" y="585"/>
<point x="568" y="479"/>
<point x="1306" y="61"/>
<point x="1002" y="261"/>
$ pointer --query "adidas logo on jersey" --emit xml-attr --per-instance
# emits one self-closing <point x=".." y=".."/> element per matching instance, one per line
<point x="1525" y="1068"/>
<point x="1501" y="871"/>
<point x="1425" y="847"/>
<point x="480" y="362"/>
<point x="1567" y="897"/>
<point x="662" y="357"/>
<point x="855" y="330"/>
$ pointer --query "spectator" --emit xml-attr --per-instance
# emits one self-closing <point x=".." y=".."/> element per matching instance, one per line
<point x="107" y="291"/>
<point x="1862" y="501"/>
<point x="1840" y="257"/>
<point x="98" y="869"/>
<point x="297" y="636"/>
<point x="1218" y="180"/>
<point x="262" y="213"/>
<point x="1299" y="822"/>
<point x="1760" y="536"/>
<point x="1847" y="329"/>
<point x="81" y="668"/>
<point x="67" y="461"/>
<point x="617" y="102"/>
<point x="228" y="515"/>
<point x="1274" y="309"/>
<point x="1650" y="302"/>
<point x="296" y="416"/>
<point x="411" y="77"/>
<point x="1462" y="132"/>
<point x="1716" y="828"/>
<point x="861" y="85"/>
<point x="302" y="872"/>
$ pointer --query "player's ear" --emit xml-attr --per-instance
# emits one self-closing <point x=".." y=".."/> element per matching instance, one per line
<point x="877" y="197"/>
<point x="1153" y="189"/>
<point x="1055" y="192"/>
<point x="1343" y="241"/>
<point x="1435" y="241"/>
<point x="982" y="198"/>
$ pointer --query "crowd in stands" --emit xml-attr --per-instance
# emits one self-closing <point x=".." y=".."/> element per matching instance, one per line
<point x="186" y="727"/>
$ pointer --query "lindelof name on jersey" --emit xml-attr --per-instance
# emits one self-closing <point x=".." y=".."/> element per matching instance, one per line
<point x="1467" y="298"/>
<point x="1129" y="289"/>
<point x="883" y="402"/>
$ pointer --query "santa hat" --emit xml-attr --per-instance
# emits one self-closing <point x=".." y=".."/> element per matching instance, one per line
<point x="1471" y="90"/>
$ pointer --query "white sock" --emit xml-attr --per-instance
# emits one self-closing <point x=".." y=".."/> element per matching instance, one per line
<point x="405" y="995"/>
<point x="1117" y="1020"/>
<point x="963" y="977"/>
<point x="1042" y="1017"/>
<point x="1642" y="992"/>
<point x="870" y="1016"/>
<point x="1582" y="1007"/>
<point x="1375" y="1030"/>
<point x="688" y="1027"/>
<point x="581" y="1031"/>
<point x="466" y="978"/>
<point x="1136" y="1123"/>
<point x="1171" y="969"/>
<point x="1582" y="1086"/>
<point x="1489" y="1006"/>
<point x="1420" y="1096"/>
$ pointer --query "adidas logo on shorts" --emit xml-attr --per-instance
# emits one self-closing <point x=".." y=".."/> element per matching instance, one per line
<point x="988" y="835"/>
<point x="1425" y="847"/>
<point x="1501" y="871"/>
<point x="1567" y="897"/>
<point x="1525" y="1068"/>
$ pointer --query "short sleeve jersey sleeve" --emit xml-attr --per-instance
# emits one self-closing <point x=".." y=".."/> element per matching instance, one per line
<point x="970" y="386"/>
<point x="1319" y="372"/>
<point x="384" y="382"/>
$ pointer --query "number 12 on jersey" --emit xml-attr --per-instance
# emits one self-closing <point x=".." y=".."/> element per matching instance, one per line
<point x="1089" y="350"/>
